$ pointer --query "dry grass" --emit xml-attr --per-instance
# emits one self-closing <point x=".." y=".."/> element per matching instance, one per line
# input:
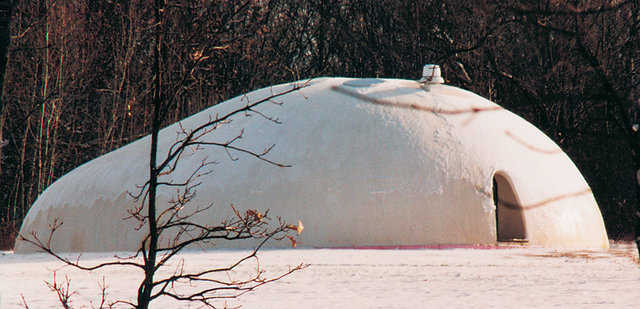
<point x="588" y="255"/>
<point x="624" y="249"/>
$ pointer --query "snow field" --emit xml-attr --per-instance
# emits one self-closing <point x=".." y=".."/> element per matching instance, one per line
<point x="424" y="278"/>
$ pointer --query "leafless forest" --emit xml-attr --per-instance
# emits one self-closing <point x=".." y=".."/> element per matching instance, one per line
<point x="78" y="74"/>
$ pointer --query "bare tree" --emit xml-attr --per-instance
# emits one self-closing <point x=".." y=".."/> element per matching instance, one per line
<point x="5" y="18"/>
<point x="77" y="85"/>
<point x="176" y="222"/>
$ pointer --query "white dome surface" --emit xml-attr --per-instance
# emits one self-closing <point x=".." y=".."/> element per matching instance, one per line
<point x="375" y="162"/>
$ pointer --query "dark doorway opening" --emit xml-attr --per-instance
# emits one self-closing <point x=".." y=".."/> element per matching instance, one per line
<point x="510" y="224"/>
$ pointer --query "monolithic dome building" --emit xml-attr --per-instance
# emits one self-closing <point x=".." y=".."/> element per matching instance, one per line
<point x="374" y="162"/>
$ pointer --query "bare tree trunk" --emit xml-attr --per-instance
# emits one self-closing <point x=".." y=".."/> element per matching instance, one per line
<point x="144" y="295"/>
<point x="5" y="18"/>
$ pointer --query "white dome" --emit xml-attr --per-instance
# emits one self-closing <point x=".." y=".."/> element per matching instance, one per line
<point x="363" y="173"/>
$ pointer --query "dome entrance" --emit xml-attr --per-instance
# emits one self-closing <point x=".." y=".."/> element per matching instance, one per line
<point x="510" y="223"/>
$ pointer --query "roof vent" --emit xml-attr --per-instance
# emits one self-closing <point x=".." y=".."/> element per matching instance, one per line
<point x="431" y="74"/>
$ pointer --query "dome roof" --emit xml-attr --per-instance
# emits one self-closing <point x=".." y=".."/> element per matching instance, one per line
<point x="373" y="162"/>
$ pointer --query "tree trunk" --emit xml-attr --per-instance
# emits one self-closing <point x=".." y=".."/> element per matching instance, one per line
<point x="146" y="289"/>
<point x="5" y="18"/>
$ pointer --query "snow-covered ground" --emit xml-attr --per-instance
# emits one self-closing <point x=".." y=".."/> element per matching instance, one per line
<point x="347" y="278"/>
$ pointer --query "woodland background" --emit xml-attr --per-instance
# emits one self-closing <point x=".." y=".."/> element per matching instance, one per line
<point x="77" y="75"/>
